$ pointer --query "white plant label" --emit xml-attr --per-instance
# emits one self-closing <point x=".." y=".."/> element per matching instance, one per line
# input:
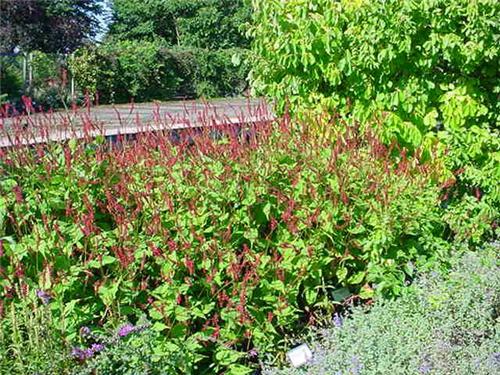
<point x="300" y="355"/>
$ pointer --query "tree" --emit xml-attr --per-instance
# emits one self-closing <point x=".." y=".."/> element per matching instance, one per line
<point x="211" y="24"/>
<point x="216" y="24"/>
<point x="159" y="49"/>
<point x="135" y="19"/>
<point x="51" y="26"/>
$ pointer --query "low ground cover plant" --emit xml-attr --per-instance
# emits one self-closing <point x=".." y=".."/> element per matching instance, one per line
<point x="227" y="240"/>
<point x="443" y="324"/>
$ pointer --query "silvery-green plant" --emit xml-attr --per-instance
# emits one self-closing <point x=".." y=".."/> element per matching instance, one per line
<point x="443" y="324"/>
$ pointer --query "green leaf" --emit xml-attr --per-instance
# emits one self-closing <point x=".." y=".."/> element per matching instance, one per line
<point x="341" y="294"/>
<point x="226" y="357"/>
<point x="239" y="370"/>
<point x="105" y="260"/>
<point x="178" y="331"/>
<point x="366" y="292"/>
<point x="341" y="273"/>
<point x="159" y="327"/>
<point x="155" y="314"/>
<point x="108" y="292"/>
<point x="311" y="296"/>
<point x="357" y="278"/>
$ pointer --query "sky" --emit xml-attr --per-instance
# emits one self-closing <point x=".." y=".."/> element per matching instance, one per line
<point x="104" y="19"/>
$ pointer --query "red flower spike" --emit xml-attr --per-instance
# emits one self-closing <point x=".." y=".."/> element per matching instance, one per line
<point x="270" y="316"/>
<point x="189" y="265"/>
<point x="18" y="194"/>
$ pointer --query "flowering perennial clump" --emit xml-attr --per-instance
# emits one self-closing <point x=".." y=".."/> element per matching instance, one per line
<point x="128" y="329"/>
<point x="226" y="239"/>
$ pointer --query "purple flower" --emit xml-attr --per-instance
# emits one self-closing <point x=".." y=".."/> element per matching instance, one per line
<point x="83" y="354"/>
<point x="126" y="330"/>
<point x="337" y="320"/>
<point x="85" y="331"/>
<point x="44" y="296"/>
<point x="96" y="348"/>
<point x="79" y="353"/>
<point x="253" y="353"/>
<point x="357" y="366"/>
<point x="495" y="358"/>
<point x="426" y="366"/>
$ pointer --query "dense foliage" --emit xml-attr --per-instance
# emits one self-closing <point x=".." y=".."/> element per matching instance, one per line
<point x="56" y="27"/>
<point x="208" y="24"/>
<point x="48" y="87"/>
<point x="31" y="341"/>
<point x="155" y="50"/>
<point x="203" y="251"/>
<point x="399" y="55"/>
<point x="428" y="68"/>
<point x="12" y="82"/>
<point x="229" y="243"/>
<point x="444" y="324"/>
<point x="160" y="50"/>
<point x="47" y="25"/>
<point x="143" y="70"/>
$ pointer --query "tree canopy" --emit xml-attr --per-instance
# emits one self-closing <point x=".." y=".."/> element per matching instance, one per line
<point x="211" y="24"/>
<point x="48" y="25"/>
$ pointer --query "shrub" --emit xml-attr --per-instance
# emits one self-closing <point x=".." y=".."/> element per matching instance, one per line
<point x="231" y="242"/>
<point x="125" y="70"/>
<point x="444" y="324"/>
<point x="427" y="67"/>
<point x="215" y="25"/>
<point x="208" y="24"/>
<point x="398" y="55"/>
<point x="49" y="87"/>
<point x="12" y="81"/>
<point x="86" y="66"/>
<point x="141" y="70"/>
<point x="218" y="74"/>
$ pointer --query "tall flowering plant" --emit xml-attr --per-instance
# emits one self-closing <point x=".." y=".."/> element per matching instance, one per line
<point x="229" y="238"/>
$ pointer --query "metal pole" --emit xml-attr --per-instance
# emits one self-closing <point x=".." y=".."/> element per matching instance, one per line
<point x="25" y="70"/>
<point x="30" y="70"/>
<point x="1" y="60"/>
<point x="72" y="81"/>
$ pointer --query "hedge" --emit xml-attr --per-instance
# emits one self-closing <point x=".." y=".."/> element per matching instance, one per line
<point x="143" y="71"/>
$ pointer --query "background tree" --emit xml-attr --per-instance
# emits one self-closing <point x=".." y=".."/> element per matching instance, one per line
<point x="160" y="49"/>
<point x="51" y="26"/>
<point x="209" y="24"/>
<point x="134" y="19"/>
<point x="216" y="24"/>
